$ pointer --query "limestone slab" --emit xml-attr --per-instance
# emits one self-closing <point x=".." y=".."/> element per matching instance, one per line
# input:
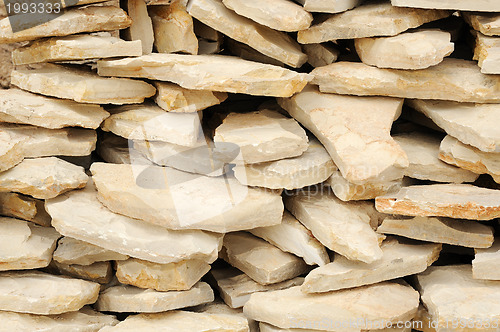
<point x="260" y="260"/>
<point x="486" y="263"/>
<point x="100" y="272"/>
<point x="462" y="201"/>
<point x="72" y="251"/>
<point x="329" y="6"/>
<point x="132" y="299"/>
<point x="359" y="142"/>
<point x="487" y="53"/>
<point x="487" y="23"/>
<point x="81" y="86"/>
<point x="80" y="215"/>
<point x="478" y="5"/>
<point x="11" y="150"/>
<point x="161" y="277"/>
<point x="274" y="44"/>
<point x="452" y="79"/>
<point x="209" y="72"/>
<point x="40" y="293"/>
<point x="142" y="26"/>
<point x="220" y="205"/>
<point x="463" y="233"/>
<point x="319" y="55"/>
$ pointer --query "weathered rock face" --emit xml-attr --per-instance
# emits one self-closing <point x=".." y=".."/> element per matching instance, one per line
<point x="329" y="6"/>
<point x="486" y="263"/>
<point x="319" y="55"/>
<point x="72" y="251"/>
<point x="11" y="150"/>
<point x="486" y="52"/>
<point x="141" y="28"/>
<point x="486" y="23"/>
<point x="23" y="207"/>
<point x="479" y="5"/>
<point x="100" y="272"/>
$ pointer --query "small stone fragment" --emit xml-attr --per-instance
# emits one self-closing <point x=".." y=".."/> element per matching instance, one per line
<point x="118" y="150"/>
<point x="488" y="24"/>
<point x="486" y="263"/>
<point x="465" y="5"/>
<point x="73" y="251"/>
<point x="487" y="53"/>
<point x="246" y="52"/>
<point x="319" y="55"/>
<point x="100" y="272"/>
<point x="11" y="150"/>
<point x="329" y="6"/>
<point x="142" y="27"/>
<point x="219" y="307"/>
<point x="17" y="206"/>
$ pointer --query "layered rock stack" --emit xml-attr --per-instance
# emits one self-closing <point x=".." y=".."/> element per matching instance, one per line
<point x="232" y="165"/>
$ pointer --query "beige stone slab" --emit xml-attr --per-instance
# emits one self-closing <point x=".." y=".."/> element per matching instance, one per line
<point x="11" y="150"/>
<point x="264" y="327"/>
<point x="220" y="205"/>
<point x="6" y="65"/>
<point x="463" y="233"/>
<point x="72" y="251"/>
<point x="17" y="206"/>
<point x="209" y="72"/>
<point x="376" y="18"/>
<point x="260" y="260"/>
<point x="161" y="277"/>
<point x="462" y="201"/>
<point x="359" y="141"/>
<point x="272" y="43"/>
<point x="329" y="6"/>
<point x="118" y="150"/>
<point x="80" y="215"/>
<point x="486" y="263"/>
<point x="465" y="5"/>
<point x="280" y="15"/>
<point x="468" y="157"/>
<point x="383" y="302"/>
<point x="219" y="307"/>
<point x="246" y="52"/>
<point x="422" y="150"/>
<point x="319" y="55"/>
<point x="487" y="23"/>
<point x="25" y="246"/>
<point x="100" y="272"/>
<point x="409" y="50"/>
<point x="132" y="299"/>
<point x="43" y="177"/>
<point x="44" y="294"/>
<point x="487" y="53"/>
<point x="77" y="20"/>
<point x="142" y="25"/>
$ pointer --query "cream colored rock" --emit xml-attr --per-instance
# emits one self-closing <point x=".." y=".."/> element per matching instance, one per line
<point x="359" y="141"/>
<point x="314" y="166"/>
<point x="142" y="27"/>
<point x="377" y="18"/>
<point x="100" y="272"/>
<point x="73" y="251"/>
<point x="77" y="20"/>
<point x="291" y="236"/>
<point x="220" y="204"/>
<point x="80" y="215"/>
<point x="465" y="5"/>
<point x="25" y="246"/>
<point x="272" y="43"/>
<point x="43" y="177"/>
<point x="462" y="201"/>
<point x="343" y="227"/>
<point x="44" y="294"/>
<point x="174" y="98"/>
<point x="463" y="233"/>
<point x="280" y="15"/>
<point x="260" y="260"/>
<point x="487" y="53"/>
<point x="161" y="277"/>
<point x="11" y="150"/>
<point x="319" y="55"/>
<point x="132" y="299"/>
<point x="219" y="307"/>
<point x="264" y="327"/>
<point x="409" y="50"/>
<point x="423" y="153"/>
<point x="214" y="72"/>
<point x="382" y="303"/>
<point x="235" y="287"/>
<point x="399" y="259"/>
<point x="488" y="24"/>
<point x="453" y="79"/>
<point x="329" y="6"/>
<point x="470" y="158"/>
<point x="23" y="207"/>
<point x="22" y="107"/>
<point x="486" y="263"/>
<point x="118" y="150"/>
<point x="246" y="52"/>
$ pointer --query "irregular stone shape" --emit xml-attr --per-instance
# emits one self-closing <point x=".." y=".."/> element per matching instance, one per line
<point x="219" y="307"/>
<point x="251" y="255"/>
<point x="280" y="15"/>
<point x="487" y="53"/>
<point x="100" y="272"/>
<point x="25" y="246"/>
<point x="150" y="122"/>
<point x="377" y="18"/>
<point x="329" y="6"/>
<point x="215" y="73"/>
<point x="220" y="205"/>
<point x="263" y="136"/>
<point x="80" y="215"/>
<point x="73" y="251"/>
<point x="264" y="327"/>
<point x="343" y="227"/>
<point x="453" y="79"/>
<point x="399" y="259"/>
<point x="77" y="20"/>
<point x="81" y="86"/>
<point x="43" y="178"/>
<point x="132" y="299"/>
<point x="314" y="166"/>
<point x="462" y="201"/>
<point x="451" y="295"/>
<point x="18" y="206"/>
<point x="383" y="302"/>
<point x="173" y="29"/>
<point x="274" y="44"/>
<point x="468" y="157"/>
<point x="161" y="277"/>
<point x="246" y="52"/>
<point x="472" y="124"/>
<point x="235" y="287"/>
<point x="40" y="293"/>
<point x="410" y="50"/>
<point x="488" y="24"/>
<point x="18" y="106"/>
<point x="85" y="320"/>
<point x="117" y="150"/>
<point x="486" y="263"/>
<point x="319" y="55"/>
<point x="291" y="236"/>
<point x="142" y="25"/>
<point x="11" y="150"/>
<point x="359" y="141"/>
<point x="422" y="150"/>
<point x="463" y="233"/>
<point x="174" y="98"/>
<point x="477" y="5"/>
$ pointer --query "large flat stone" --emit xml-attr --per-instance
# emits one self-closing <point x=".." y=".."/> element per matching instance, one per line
<point x="329" y="6"/>
<point x="73" y="251"/>
<point x="487" y="23"/>
<point x="209" y="72"/>
<point x="477" y="5"/>
<point x="487" y="53"/>
<point x="100" y="272"/>
<point x="486" y="263"/>
<point x="220" y="205"/>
